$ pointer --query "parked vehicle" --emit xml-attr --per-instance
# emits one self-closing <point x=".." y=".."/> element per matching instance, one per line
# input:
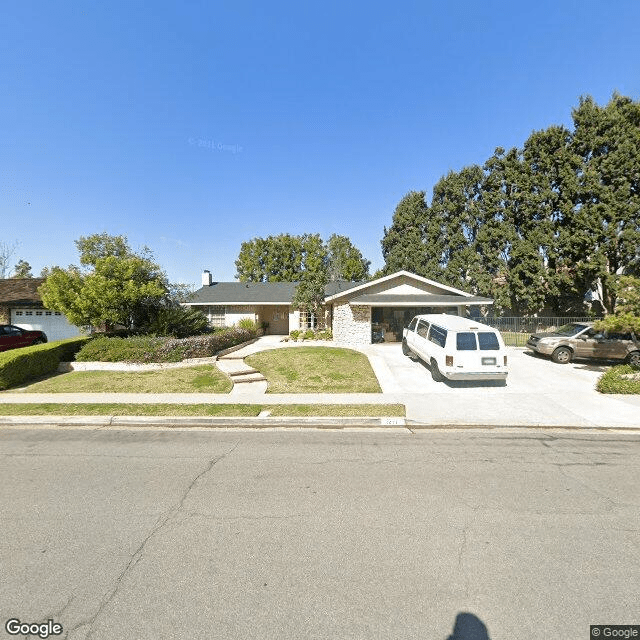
<point x="456" y="348"/>
<point x="12" y="337"/>
<point x="581" y="340"/>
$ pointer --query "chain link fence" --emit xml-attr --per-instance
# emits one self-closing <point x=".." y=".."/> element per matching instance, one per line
<point x="515" y="331"/>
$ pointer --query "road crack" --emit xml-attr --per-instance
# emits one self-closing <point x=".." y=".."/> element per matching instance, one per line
<point x="160" y="524"/>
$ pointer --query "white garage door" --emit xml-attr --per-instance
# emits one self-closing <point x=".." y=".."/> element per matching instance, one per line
<point x="53" y="323"/>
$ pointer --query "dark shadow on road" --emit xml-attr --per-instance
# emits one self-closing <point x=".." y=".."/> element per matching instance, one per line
<point x="469" y="627"/>
<point x="462" y="384"/>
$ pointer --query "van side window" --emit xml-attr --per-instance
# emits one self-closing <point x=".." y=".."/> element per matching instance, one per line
<point x="412" y="324"/>
<point x="423" y="328"/>
<point x="466" y="341"/>
<point x="438" y="335"/>
<point x="488" y="341"/>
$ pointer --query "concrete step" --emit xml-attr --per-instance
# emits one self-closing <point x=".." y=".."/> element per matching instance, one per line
<point x="244" y="372"/>
<point x="250" y="377"/>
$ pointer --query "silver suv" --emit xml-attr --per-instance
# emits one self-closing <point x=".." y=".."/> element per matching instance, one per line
<point x="581" y="340"/>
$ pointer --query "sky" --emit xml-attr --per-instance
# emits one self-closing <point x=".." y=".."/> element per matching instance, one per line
<point x="193" y="126"/>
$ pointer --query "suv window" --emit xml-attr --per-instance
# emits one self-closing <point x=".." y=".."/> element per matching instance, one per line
<point x="488" y="341"/>
<point x="423" y="328"/>
<point x="466" y="341"/>
<point x="438" y="335"/>
<point x="412" y="324"/>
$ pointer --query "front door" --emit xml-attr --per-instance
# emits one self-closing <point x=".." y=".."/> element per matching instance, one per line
<point x="278" y="319"/>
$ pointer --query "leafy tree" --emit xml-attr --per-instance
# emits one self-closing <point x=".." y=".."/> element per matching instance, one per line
<point x="117" y="285"/>
<point x="287" y="258"/>
<point x="411" y="242"/>
<point x="345" y="262"/>
<point x="22" y="270"/>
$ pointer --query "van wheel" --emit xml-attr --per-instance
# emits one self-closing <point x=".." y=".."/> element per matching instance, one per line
<point x="562" y="355"/>
<point x="436" y="374"/>
<point x="634" y="359"/>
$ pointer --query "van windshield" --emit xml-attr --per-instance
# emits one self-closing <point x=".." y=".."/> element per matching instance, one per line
<point x="488" y="341"/>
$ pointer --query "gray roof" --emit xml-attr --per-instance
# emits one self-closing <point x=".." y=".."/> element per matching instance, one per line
<point x="229" y="293"/>
<point x="419" y="300"/>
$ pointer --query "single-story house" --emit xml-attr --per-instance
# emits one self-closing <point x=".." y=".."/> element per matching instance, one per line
<point x="20" y="305"/>
<point x="357" y="312"/>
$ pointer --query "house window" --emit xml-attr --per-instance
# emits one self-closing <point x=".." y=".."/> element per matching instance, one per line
<point x="216" y="316"/>
<point x="308" y="320"/>
<point x="47" y="313"/>
<point x="38" y="313"/>
<point x="18" y="313"/>
<point x="28" y="313"/>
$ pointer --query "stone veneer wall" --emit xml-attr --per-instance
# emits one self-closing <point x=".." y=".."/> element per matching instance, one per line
<point x="5" y="314"/>
<point x="351" y="324"/>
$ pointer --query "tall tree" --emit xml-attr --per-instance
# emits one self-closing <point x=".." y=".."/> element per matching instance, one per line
<point x="345" y="262"/>
<point x="7" y="249"/>
<point x="410" y="242"/>
<point x="605" y="223"/>
<point x="22" y="270"/>
<point x="287" y="258"/>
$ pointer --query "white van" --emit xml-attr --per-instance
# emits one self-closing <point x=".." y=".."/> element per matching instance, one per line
<point x="456" y="348"/>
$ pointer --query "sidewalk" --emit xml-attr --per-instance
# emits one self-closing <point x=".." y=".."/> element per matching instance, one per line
<point x="477" y="408"/>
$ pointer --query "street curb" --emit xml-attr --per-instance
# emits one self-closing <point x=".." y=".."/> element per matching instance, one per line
<point x="282" y="423"/>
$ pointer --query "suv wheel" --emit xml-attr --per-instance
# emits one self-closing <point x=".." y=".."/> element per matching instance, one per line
<point x="634" y="359"/>
<point x="562" y="355"/>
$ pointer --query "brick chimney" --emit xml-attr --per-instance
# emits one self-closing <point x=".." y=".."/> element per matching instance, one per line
<point x="206" y="278"/>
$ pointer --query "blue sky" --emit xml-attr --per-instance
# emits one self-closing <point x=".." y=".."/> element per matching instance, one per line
<point x="193" y="126"/>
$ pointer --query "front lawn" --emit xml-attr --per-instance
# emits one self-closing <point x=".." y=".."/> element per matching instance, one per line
<point x="620" y="379"/>
<point x="315" y="370"/>
<point x="199" y="379"/>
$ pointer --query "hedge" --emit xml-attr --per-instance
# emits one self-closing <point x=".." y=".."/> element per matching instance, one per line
<point x="20" y="365"/>
<point x="145" y="349"/>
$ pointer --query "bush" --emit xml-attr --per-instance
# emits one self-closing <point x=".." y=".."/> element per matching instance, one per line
<point x="294" y="334"/>
<point x="144" y="349"/>
<point x="309" y="334"/>
<point x="325" y="334"/>
<point x="177" y="322"/>
<point x="21" y="365"/>
<point x="620" y="379"/>
<point x="247" y="323"/>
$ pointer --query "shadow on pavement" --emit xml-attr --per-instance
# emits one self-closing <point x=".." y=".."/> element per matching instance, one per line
<point x="469" y="627"/>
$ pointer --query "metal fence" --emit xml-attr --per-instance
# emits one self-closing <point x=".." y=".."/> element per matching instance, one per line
<point x="515" y="331"/>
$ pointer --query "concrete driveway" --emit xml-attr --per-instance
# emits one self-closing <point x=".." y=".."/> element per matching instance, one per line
<point x="527" y="374"/>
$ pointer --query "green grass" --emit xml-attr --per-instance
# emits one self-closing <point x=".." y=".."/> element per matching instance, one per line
<point x="315" y="370"/>
<point x="514" y="339"/>
<point x="612" y="381"/>
<point x="210" y="410"/>
<point x="199" y="379"/>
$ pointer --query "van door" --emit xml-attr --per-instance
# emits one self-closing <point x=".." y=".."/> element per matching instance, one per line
<point x="420" y="338"/>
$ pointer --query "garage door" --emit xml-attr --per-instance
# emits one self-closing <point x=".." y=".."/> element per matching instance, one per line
<point x="53" y="323"/>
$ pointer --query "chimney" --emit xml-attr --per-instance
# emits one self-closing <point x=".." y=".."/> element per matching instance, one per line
<point x="206" y="278"/>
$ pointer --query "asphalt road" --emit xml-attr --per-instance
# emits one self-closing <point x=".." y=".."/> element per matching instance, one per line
<point x="462" y="535"/>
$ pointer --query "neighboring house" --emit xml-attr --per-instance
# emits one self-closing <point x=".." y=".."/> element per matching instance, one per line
<point x="354" y="310"/>
<point x="20" y="305"/>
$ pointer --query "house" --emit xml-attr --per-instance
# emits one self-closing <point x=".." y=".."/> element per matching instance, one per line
<point x="356" y="311"/>
<point x="20" y="305"/>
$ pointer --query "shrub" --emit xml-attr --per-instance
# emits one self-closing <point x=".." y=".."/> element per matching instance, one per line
<point x="620" y="379"/>
<point x="177" y="322"/>
<point x="247" y="323"/>
<point x="144" y="349"/>
<point x="294" y="334"/>
<point x="309" y="334"/>
<point x="21" y="365"/>
<point x="325" y="334"/>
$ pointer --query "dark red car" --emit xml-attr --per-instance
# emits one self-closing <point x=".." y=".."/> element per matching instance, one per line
<point x="14" y="337"/>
